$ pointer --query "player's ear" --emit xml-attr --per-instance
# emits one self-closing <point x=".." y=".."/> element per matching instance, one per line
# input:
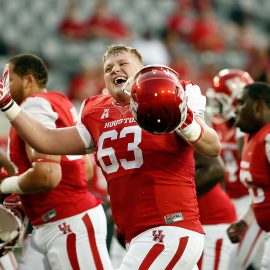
<point x="259" y="107"/>
<point x="28" y="81"/>
<point x="260" y="104"/>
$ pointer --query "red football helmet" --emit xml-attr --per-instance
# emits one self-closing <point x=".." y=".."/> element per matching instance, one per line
<point x="221" y="98"/>
<point x="155" y="99"/>
<point x="13" y="224"/>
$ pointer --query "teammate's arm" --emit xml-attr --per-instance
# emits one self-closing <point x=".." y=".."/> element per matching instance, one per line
<point x="42" y="139"/>
<point x="209" y="144"/>
<point x="4" y="162"/>
<point x="44" y="175"/>
<point x="208" y="172"/>
<point x="55" y="141"/>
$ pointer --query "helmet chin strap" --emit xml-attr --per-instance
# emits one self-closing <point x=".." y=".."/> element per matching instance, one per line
<point x="126" y="92"/>
<point x="128" y="86"/>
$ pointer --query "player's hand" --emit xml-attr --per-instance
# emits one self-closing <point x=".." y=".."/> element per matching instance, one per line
<point x="195" y="100"/>
<point x="237" y="230"/>
<point x="5" y="97"/>
<point x="189" y="128"/>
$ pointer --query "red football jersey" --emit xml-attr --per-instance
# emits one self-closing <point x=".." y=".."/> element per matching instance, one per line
<point x="216" y="207"/>
<point x="255" y="174"/>
<point x="229" y="154"/>
<point x="150" y="177"/>
<point x="71" y="196"/>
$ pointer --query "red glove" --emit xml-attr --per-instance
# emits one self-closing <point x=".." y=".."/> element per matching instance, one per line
<point x="5" y="97"/>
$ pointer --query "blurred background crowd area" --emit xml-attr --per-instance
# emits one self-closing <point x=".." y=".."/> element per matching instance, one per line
<point x="195" y="37"/>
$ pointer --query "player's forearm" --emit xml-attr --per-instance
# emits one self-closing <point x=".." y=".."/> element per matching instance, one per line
<point x="60" y="141"/>
<point x="207" y="177"/>
<point x="45" y="178"/>
<point x="32" y="131"/>
<point x="209" y="145"/>
<point x="41" y="179"/>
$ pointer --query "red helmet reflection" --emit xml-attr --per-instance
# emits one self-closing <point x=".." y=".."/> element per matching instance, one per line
<point x="155" y="99"/>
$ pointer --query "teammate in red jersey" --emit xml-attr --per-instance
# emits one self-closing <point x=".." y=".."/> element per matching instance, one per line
<point x="69" y="222"/>
<point x="150" y="177"/>
<point x="253" y="118"/>
<point x="221" y="105"/>
<point x="217" y="212"/>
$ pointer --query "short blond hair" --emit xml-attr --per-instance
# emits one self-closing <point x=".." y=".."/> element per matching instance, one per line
<point x="114" y="49"/>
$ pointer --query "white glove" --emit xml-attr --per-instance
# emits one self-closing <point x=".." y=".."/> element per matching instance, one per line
<point x="189" y="128"/>
<point x="196" y="101"/>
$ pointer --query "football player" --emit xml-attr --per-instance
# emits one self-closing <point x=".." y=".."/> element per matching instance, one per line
<point x="253" y="118"/>
<point x="221" y="103"/>
<point x="150" y="177"/>
<point x="69" y="222"/>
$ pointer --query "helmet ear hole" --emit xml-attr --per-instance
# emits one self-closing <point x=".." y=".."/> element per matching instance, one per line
<point x="157" y="94"/>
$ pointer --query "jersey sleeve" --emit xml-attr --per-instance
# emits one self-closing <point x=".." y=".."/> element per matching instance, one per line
<point x="41" y="110"/>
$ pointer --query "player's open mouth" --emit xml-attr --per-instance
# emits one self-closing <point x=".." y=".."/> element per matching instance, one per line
<point x="119" y="80"/>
